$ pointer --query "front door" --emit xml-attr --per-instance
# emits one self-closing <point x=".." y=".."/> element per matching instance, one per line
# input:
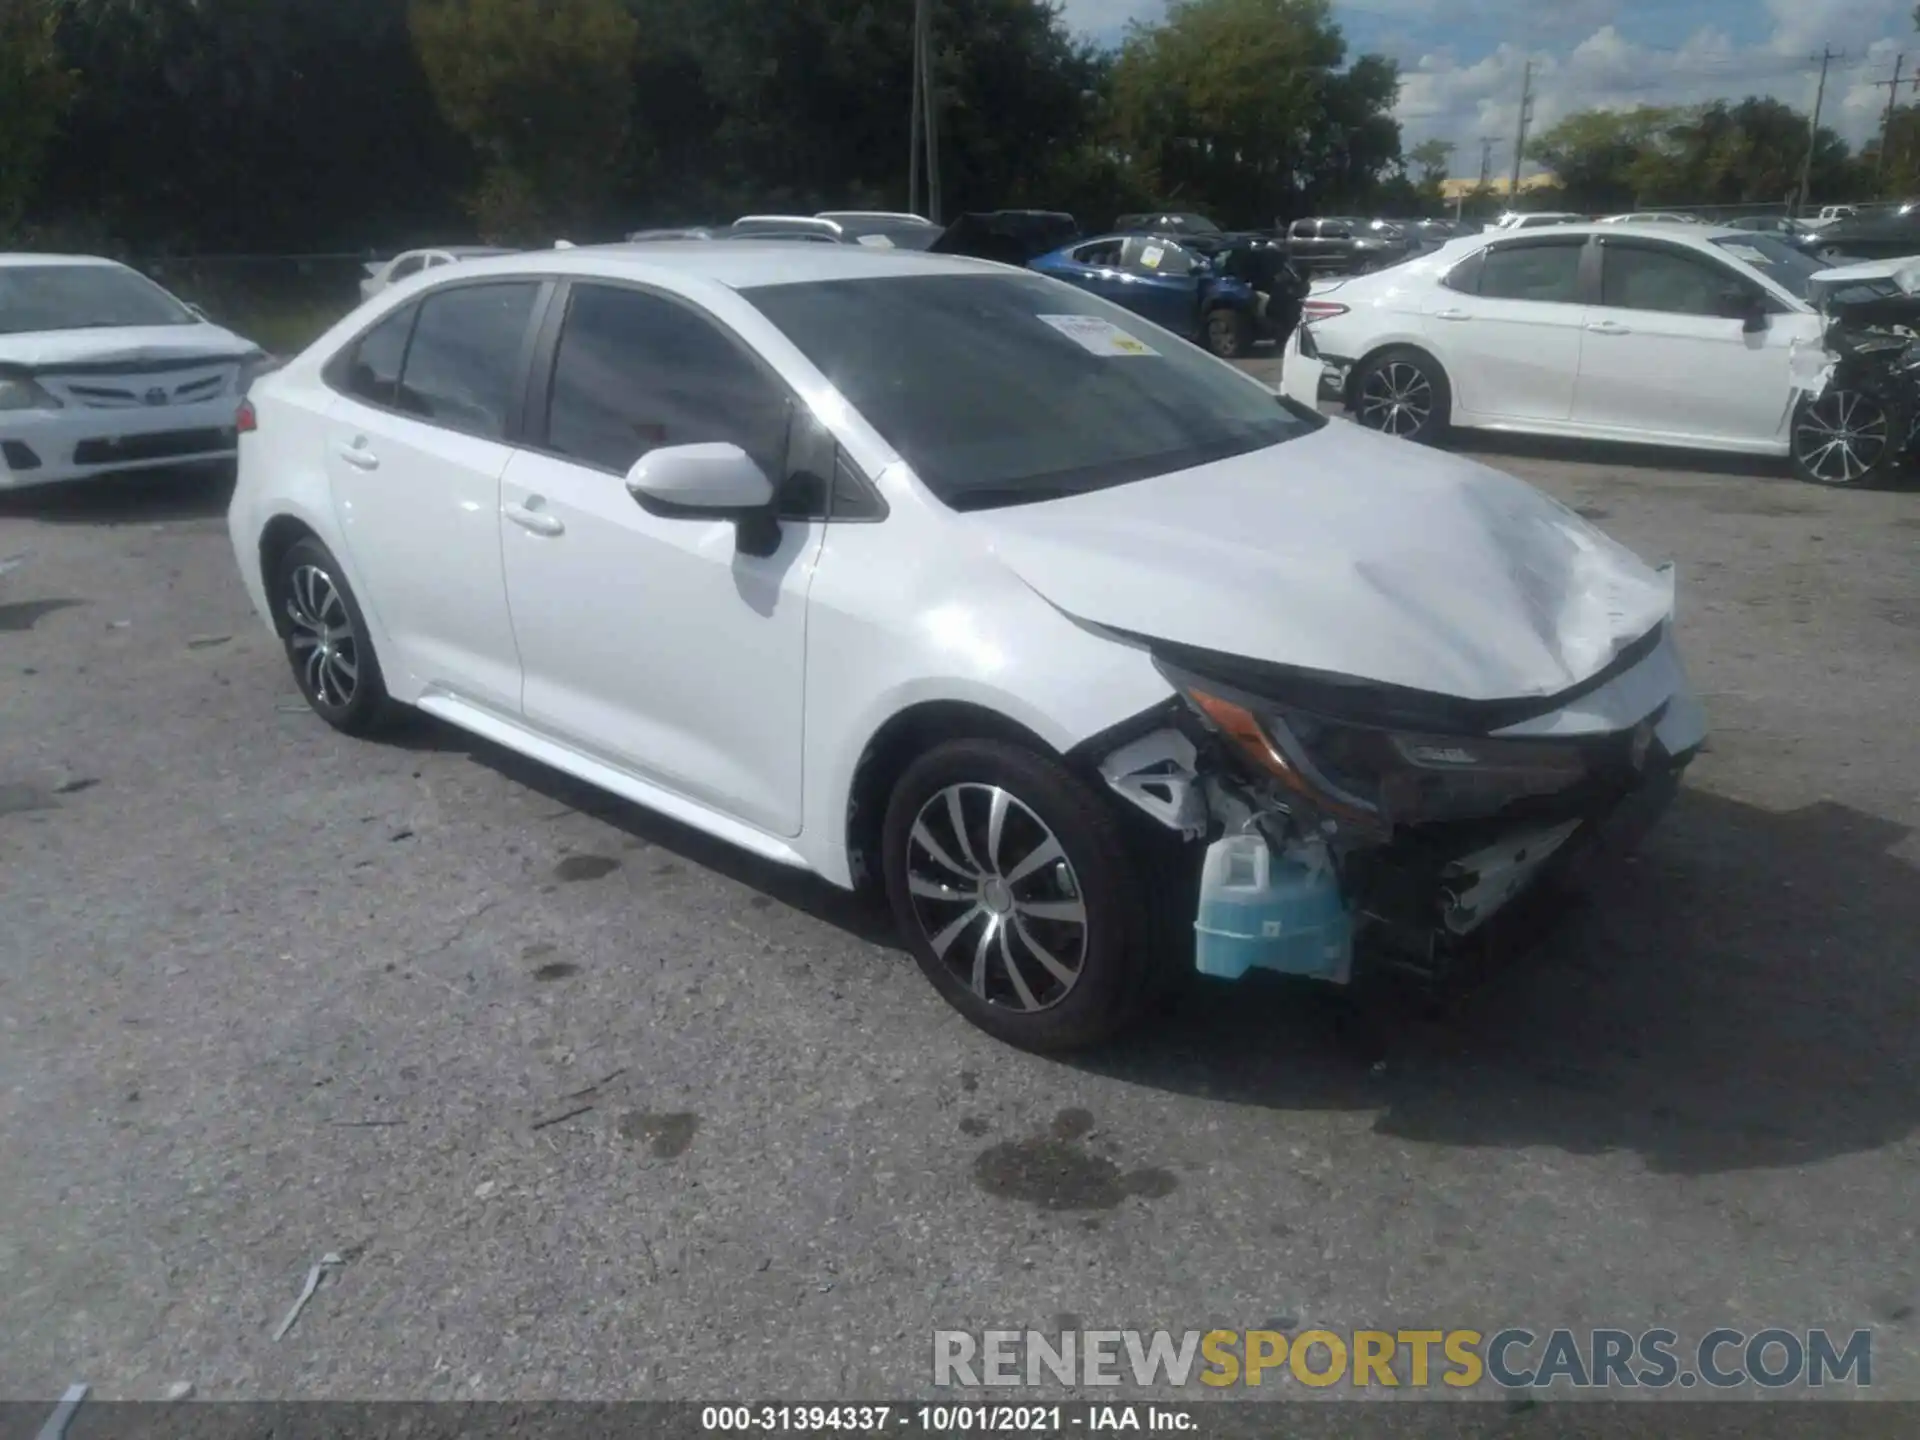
<point x="652" y="642"/>
<point x="415" y="451"/>
<point x="1663" y="359"/>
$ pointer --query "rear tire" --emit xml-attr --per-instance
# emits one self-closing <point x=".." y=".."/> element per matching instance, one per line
<point x="325" y="634"/>
<point x="1229" y="332"/>
<point x="1403" y="392"/>
<point x="1015" y="888"/>
<point x="1846" y="439"/>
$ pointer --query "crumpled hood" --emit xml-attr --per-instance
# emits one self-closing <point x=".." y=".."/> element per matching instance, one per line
<point x="1349" y="553"/>
<point x="48" y="349"/>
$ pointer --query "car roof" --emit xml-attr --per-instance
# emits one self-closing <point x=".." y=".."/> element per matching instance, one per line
<point x="735" y="264"/>
<point x="26" y="258"/>
<point x="1663" y="229"/>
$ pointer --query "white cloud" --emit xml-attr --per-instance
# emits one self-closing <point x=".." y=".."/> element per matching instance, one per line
<point x="1461" y="103"/>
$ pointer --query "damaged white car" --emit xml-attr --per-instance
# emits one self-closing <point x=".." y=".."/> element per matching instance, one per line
<point x="1103" y="658"/>
<point x="1683" y="335"/>
<point x="101" y="370"/>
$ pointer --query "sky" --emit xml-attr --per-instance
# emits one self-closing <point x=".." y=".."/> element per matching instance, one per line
<point x="1461" y="61"/>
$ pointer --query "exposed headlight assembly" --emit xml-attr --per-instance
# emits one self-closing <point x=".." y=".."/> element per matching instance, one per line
<point x="20" y="391"/>
<point x="1383" y="778"/>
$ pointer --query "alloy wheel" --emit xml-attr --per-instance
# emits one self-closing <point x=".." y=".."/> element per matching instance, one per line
<point x="322" y="638"/>
<point x="996" y="897"/>
<point x="1841" y="437"/>
<point x="1396" y="398"/>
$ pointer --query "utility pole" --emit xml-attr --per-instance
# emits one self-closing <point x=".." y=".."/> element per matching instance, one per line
<point x="923" y="127"/>
<point x="1487" y="142"/>
<point x="1827" y="57"/>
<point x="1520" y="139"/>
<point x="1886" y="125"/>
<point x="916" y="114"/>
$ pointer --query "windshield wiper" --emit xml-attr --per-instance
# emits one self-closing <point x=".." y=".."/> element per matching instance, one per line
<point x="994" y="497"/>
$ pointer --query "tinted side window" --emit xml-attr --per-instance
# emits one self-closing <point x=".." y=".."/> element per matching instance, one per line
<point x="412" y="265"/>
<point x="369" y="369"/>
<point x="1543" y="270"/>
<point x="1633" y="277"/>
<point x="1301" y="230"/>
<point x="1107" y="252"/>
<point x="463" y="368"/>
<point x="1335" y="230"/>
<point x="1146" y="256"/>
<point x="1465" y="275"/>
<point x="636" y="371"/>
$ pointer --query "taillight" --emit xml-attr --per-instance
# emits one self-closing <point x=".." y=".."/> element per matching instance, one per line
<point x="1311" y="310"/>
<point x="245" y="421"/>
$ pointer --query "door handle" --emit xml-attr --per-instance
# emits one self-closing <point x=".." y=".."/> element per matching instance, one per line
<point x="358" y="456"/>
<point x="1608" y="327"/>
<point x="531" y="517"/>
<point x="1451" y="315"/>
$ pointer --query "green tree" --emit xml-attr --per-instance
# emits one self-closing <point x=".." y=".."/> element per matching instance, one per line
<point x="35" y="90"/>
<point x="1433" y="157"/>
<point x="542" y="91"/>
<point x="248" y="125"/>
<point x="1242" y="107"/>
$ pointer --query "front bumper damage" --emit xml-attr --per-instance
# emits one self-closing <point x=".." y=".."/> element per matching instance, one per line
<point x="1421" y="892"/>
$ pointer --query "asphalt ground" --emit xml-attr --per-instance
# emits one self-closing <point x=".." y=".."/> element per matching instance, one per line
<point x="593" y="1107"/>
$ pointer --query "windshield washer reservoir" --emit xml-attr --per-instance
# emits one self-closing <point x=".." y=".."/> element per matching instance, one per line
<point x="1261" y="911"/>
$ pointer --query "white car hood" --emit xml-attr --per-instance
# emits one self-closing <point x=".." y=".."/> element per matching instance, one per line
<point x="1349" y="553"/>
<point x="1904" y="271"/>
<point x="44" y="349"/>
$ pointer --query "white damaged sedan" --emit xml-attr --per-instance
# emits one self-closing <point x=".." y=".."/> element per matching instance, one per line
<point x="1102" y="658"/>
<point x="101" y="370"/>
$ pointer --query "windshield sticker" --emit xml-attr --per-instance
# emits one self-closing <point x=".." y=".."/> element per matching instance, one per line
<point x="1748" y="254"/>
<point x="1152" y="256"/>
<point x="1097" y="336"/>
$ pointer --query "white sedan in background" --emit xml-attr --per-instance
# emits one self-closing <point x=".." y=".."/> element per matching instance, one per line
<point x="1686" y="335"/>
<point x="954" y="576"/>
<point x="101" y="370"/>
<point x="408" y="263"/>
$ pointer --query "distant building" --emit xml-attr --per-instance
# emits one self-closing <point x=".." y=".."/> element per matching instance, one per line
<point x="1459" y="187"/>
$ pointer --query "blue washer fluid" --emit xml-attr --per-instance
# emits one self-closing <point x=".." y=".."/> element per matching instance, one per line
<point x="1261" y="911"/>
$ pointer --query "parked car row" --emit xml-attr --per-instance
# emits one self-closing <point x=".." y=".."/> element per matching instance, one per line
<point x="1689" y="335"/>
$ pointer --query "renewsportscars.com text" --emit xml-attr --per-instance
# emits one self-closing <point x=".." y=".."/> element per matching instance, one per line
<point x="1512" y="1359"/>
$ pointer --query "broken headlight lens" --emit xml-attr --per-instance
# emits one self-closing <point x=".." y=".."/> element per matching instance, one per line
<point x="1392" y="777"/>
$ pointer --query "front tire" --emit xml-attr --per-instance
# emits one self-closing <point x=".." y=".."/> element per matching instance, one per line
<point x="1014" y="886"/>
<point x="326" y="639"/>
<point x="1403" y="393"/>
<point x="1845" y="439"/>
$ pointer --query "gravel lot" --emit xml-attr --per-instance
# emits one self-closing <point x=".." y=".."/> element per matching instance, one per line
<point x="593" y="1107"/>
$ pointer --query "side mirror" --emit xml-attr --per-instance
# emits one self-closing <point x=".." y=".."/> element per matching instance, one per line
<point x="710" y="480"/>
<point x="1749" y="307"/>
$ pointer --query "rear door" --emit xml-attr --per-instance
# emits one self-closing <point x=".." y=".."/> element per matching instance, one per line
<point x="1663" y="357"/>
<point x="416" y="445"/>
<point x="1506" y="322"/>
<point x="1157" y="280"/>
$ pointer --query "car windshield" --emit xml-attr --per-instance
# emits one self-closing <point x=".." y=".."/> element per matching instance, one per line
<point x="1009" y="389"/>
<point x="83" y="297"/>
<point x="1780" y="262"/>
